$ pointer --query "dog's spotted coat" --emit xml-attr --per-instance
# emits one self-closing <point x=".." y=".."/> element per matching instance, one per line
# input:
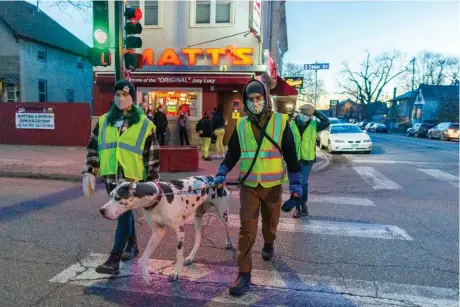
<point x="168" y="204"/>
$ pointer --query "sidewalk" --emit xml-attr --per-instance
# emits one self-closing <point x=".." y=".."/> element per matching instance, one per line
<point x="66" y="163"/>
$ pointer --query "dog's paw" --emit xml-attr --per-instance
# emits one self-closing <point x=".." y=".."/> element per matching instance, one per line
<point x="147" y="277"/>
<point x="174" y="277"/>
<point x="189" y="260"/>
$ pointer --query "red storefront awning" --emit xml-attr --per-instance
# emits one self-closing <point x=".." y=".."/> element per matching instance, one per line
<point x="283" y="89"/>
<point x="179" y="79"/>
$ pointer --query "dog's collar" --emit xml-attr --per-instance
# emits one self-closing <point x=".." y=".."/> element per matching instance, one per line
<point x="159" y="196"/>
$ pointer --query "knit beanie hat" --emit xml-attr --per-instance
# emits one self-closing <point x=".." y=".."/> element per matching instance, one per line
<point x="127" y="87"/>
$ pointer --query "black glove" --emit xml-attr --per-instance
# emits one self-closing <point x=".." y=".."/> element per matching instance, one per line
<point x="291" y="203"/>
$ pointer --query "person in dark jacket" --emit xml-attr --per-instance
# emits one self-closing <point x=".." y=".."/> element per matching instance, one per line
<point x="161" y="122"/>
<point x="204" y="129"/>
<point x="219" y="132"/>
<point x="305" y="132"/>
<point x="261" y="191"/>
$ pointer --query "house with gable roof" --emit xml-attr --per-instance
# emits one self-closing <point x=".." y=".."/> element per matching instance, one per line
<point x="40" y="61"/>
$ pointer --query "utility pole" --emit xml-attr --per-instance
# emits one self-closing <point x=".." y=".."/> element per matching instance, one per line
<point x="316" y="83"/>
<point x="413" y="96"/>
<point x="119" y="8"/>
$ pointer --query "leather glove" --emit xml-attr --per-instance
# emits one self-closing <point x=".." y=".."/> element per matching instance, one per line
<point x="221" y="175"/>
<point x="291" y="203"/>
<point x="295" y="184"/>
<point x="88" y="184"/>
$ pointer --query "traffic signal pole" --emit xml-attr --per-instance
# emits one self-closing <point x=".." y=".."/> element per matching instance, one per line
<point x="119" y="8"/>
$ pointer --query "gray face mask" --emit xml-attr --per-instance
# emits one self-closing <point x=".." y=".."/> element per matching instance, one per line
<point x="123" y="102"/>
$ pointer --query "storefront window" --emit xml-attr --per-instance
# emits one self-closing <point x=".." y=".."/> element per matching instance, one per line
<point x="173" y="101"/>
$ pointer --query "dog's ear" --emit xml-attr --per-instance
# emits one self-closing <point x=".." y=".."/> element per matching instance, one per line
<point x="144" y="189"/>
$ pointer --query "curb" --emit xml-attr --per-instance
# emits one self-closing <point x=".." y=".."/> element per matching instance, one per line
<point x="323" y="161"/>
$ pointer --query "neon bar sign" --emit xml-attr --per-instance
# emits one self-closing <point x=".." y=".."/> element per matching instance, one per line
<point x="237" y="56"/>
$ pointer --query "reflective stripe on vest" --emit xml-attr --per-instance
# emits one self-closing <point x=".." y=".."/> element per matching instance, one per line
<point x="115" y="149"/>
<point x="269" y="169"/>
<point x="297" y="138"/>
<point x="308" y="145"/>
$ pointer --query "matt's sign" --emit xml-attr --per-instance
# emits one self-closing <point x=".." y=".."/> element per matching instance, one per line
<point x="237" y="56"/>
<point x="35" y="121"/>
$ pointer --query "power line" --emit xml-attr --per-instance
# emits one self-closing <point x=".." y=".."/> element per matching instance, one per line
<point x="217" y="39"/>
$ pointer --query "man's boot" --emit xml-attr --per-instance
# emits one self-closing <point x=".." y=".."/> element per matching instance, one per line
<point x="241" y="285"/>
<point x="304" y="210"/>
<point x="111" y="266"/>
<point x="267" y="251"/>
<point x="131" y="249"/>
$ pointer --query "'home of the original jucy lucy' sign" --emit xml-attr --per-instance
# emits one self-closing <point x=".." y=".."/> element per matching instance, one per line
<point x="180" y="80"/>
<point x="169" y="56"/>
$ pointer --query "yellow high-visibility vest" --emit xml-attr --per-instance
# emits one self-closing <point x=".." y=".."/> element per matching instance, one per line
<point x="269" y="169"/>
<point x="125" y="150"/>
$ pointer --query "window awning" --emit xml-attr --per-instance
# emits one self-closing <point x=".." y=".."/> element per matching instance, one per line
<point x="283" y="89"/>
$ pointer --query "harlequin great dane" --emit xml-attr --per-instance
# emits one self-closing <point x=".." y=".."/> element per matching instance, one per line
<point x="168" y="204"/>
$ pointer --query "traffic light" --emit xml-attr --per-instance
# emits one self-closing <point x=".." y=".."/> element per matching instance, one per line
<point x="133" y="27"/>
<point x="99" y="56"/>
<point x="101" y="24"/>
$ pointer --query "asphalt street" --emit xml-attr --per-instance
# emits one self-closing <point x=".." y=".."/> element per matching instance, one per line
<point x="383" y="231"/>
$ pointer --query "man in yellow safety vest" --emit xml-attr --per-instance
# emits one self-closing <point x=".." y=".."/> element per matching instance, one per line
<point x="264" y="143"/>
<point x="122" y="147"/>
<point x="305" y="129"/>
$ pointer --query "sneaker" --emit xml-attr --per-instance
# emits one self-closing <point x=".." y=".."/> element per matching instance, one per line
<point x="268" y="251"/>
<point x="208" y="159"/>
<point x="241" y="285"/>
<point x="111" y="266"/>
<point x="130" y="252"/>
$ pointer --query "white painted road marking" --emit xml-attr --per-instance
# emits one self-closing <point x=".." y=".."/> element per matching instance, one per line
<point x="324" y="199"/>
<point x="453" y="180"/>
<point x="376" y="179"/>
<point x="208" y="283"/>
<point x="361" y="230"/>
<point x="371" y="161"/>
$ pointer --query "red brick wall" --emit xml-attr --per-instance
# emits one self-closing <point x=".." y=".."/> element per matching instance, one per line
<point x="72" y="125"/>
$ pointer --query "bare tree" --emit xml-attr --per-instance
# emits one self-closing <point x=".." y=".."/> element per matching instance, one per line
<point x="81" y="6"/>
<point x="432" y="68"/>
<point x="308" y="91"/>
<point x="367" y="84"/>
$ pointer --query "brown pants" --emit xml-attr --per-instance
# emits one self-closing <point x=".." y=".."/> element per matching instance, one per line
<point x="268" y="201"/>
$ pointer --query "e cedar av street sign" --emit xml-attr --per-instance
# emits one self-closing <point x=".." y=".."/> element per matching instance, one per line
<point x="316" y="66"/>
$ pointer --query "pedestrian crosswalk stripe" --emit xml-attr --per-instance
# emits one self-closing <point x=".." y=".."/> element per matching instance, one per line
<point x="353" y="159"/>
<point x="362" y="230"/>
<point x="325" y="199"/>
<point x="446" y="177"/>
<point x="208" y="283"/>
<point x="376" y="179"/>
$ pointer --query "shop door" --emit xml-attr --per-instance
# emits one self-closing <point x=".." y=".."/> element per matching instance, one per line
<point x="226" y="106"/>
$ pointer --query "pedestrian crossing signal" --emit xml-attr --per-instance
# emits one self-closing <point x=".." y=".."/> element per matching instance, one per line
<point x="99" y="57"/>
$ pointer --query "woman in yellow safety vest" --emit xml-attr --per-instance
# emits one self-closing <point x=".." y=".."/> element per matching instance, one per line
<point x="305" y="129"/>
<point x="123" y="147"/>
<point x="264" y="172"/>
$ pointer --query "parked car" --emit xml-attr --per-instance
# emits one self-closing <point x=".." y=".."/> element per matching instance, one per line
<point x="403" y="126"/>
<point x="368" y="126"/>
<point x="379" y="128"/>
<point x="332" y="121"/>
<point x="345" y="137"/>
<point x="419" y="130"/>
<point x="362" y="124"/>
<point x="444" y="131"/>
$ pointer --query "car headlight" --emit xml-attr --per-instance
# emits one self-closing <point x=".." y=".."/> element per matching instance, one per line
<point x="338" y="141"/>
<point x="367" y="141"/>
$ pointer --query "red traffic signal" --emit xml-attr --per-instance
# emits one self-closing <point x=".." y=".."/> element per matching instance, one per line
<point x="133" y="13"/>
